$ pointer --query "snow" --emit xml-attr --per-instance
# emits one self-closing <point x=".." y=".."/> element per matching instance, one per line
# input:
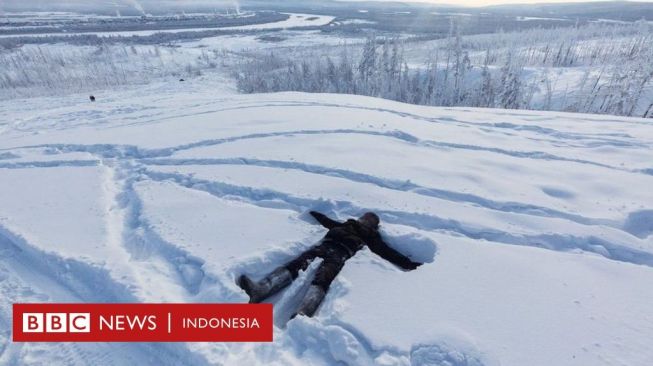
<point x="584" y="293"/>
<point x="534" y="227"/>
<point x="294" y="21"/>
<point x="31" y="216"/>
<point x="286" y="39"/>
<point x="452" y="14"/>
<point x="527" y="19"/>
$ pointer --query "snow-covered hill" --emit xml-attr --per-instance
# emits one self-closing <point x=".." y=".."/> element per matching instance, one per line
<point x="536" y="228"/>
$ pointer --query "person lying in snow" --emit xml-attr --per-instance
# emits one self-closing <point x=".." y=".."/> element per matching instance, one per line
<point x="340" y="243"/>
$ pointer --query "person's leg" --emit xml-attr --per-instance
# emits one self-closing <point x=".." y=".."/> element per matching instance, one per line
<point x="277" y="279"/>
<point x="304" y="260"/>
<point x="324" y="275"/>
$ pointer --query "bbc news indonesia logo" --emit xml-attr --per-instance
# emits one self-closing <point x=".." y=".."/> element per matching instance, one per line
<point x="142" y="323"/>
<point x="56" y="322"/>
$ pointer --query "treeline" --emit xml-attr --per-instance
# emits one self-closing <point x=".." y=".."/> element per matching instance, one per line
<point x="47" y="70"/>
<point x="457" y="74"/>
<point x="381" y="70"/>
<point x="593" y="44"/>
<point x="90" y="39"/>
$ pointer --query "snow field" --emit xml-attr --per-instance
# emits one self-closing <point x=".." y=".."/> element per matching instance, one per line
<point x="534" y="227"/>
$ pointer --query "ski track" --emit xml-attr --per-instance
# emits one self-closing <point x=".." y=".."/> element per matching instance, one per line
<point x="142" y="242"/>
<point x="136" y="152"/>
<point x="50" y="164"/>
<point x="271" y="199"/>
<point x="68" y="280"/>
<point x="129" y="165"/>
<point x="403" y="186"/>
<point x="280" y="103"/>
<point x="147" y="156"/>
<point x="158" y="157"/>
<point x="81" y="281"/>
<point x="138" y="240"/>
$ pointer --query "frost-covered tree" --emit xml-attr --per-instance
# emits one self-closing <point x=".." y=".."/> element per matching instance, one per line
<point x="483" y="71"/>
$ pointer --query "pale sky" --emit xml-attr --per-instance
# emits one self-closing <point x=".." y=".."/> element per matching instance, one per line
<point x="500" y="2"/>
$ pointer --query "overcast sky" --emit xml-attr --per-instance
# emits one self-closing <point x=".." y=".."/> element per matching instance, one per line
<point x="494" y="2"/>
<point x="498" y="2"/>
<point x="150" y="3"/>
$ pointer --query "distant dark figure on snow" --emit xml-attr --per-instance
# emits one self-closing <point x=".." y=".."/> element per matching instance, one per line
<point x="340" y="243"/>
<point x="92" y="98"/>
<point x="182" y="80"/>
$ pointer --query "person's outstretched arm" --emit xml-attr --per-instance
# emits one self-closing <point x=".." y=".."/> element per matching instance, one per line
<point x="383" y="250"/>
<point x="325" y="221"/>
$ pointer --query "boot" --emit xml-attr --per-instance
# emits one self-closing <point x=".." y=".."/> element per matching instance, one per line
<point x="270" y="285"/>
<point x="311" y="301"/>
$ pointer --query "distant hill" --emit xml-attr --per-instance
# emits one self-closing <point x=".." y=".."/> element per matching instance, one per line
<point x="613" y="10"/>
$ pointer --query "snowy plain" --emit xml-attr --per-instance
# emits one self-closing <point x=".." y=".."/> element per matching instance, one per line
<point x="535" y="227"/>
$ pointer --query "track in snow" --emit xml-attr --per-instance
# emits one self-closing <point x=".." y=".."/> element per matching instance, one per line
<point x="160" y="259"/>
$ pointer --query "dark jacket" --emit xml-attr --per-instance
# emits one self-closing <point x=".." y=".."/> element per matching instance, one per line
<point x="352" y="236"/>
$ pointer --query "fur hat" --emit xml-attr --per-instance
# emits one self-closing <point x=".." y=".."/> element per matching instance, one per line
<point x="370" y="219"/>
